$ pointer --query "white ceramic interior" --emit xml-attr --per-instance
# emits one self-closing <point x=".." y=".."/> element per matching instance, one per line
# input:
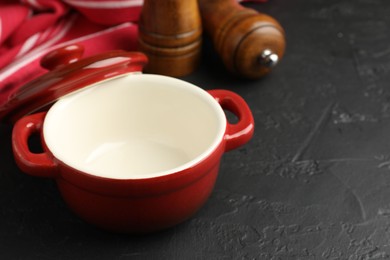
<point x="135" y="126"/>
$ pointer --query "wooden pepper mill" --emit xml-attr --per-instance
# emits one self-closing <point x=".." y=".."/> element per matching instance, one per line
<point x="170" y="35"/>
<point x="249" y="43"/>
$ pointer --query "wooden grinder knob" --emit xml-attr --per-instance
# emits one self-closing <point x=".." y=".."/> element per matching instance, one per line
<point x="170" y="35"/>
<point x="249" y="43"/>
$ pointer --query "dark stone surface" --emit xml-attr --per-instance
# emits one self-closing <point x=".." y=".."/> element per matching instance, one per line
<point x="314" y="183"/>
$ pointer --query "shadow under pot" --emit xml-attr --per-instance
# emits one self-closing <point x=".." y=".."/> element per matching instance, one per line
<point x="137" y="153"/>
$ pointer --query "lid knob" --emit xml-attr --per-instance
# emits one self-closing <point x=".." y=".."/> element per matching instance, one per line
<point x="62" y="56"/>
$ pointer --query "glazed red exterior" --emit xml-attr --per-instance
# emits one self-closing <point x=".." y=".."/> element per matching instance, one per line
<point x="134" y="205"/>
<point x="145" y="205"/>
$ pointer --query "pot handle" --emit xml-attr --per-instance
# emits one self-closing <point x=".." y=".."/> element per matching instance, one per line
<point x="240" y="133"/>
<point x="36" y="164"/>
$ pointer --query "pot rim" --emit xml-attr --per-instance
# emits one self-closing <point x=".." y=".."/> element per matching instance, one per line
<point x="181" y="85"/>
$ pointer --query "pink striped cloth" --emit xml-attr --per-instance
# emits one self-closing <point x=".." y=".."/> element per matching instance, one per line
<point x="31" y="28"/>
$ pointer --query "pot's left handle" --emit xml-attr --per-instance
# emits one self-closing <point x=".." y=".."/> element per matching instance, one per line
<point x="36" y="164"/>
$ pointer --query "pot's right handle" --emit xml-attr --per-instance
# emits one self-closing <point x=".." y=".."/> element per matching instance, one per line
<point x="36" y="164"/>
<point x="240" y="133"/>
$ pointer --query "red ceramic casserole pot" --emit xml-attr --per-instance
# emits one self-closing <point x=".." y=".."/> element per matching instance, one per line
<point x="130" y="152"/>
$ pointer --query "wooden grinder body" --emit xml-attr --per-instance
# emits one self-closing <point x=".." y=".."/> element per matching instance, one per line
<point x="242" y="36"/>
<point x="170" y="35"/>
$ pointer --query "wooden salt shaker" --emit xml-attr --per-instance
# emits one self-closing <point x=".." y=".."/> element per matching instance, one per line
<point x="170" y="35"/>
<point x="249" y="43"/>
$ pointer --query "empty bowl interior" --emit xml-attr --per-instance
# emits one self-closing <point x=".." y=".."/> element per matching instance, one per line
<point x="135" y="126"/>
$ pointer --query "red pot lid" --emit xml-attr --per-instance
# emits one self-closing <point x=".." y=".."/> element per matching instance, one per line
<point x="68" y="73"/>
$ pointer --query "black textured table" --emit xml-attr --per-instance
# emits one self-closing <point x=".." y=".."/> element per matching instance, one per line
<point x="314" y="183"/>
